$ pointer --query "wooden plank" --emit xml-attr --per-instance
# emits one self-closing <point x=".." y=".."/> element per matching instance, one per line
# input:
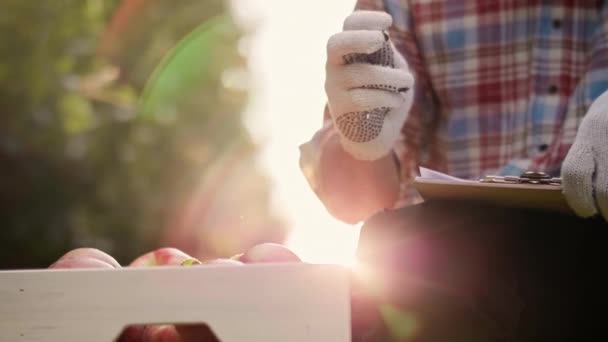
<point x="265" y="302"/>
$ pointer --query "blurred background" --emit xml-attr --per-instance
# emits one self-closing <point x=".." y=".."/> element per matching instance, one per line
<point x="128" y="125"/>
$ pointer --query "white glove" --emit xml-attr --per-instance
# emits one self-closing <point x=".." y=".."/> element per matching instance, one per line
<point x="368" y="85"/>
<point x="585" y="169"/>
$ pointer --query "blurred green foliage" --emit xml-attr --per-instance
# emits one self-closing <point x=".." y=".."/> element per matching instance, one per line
<point x="79" y="163"/>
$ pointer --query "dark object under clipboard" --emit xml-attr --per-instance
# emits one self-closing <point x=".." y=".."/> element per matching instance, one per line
<point x="486" y="272"/>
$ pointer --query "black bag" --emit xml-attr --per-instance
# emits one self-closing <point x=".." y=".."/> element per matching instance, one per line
<point x="465" y="271"/>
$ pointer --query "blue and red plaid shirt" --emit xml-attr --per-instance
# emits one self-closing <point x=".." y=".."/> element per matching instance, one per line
<point x="501" y="86"/>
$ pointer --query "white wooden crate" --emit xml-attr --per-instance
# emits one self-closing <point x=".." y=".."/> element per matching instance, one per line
<point x="265" y="302"/>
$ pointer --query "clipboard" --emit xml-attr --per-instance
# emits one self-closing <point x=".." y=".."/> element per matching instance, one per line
<point x="531" y="190"/>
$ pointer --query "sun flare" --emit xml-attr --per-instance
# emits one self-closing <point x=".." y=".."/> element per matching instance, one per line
<point x="286" y="51"/>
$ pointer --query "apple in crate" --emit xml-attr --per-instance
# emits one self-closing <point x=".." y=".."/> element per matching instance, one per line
<point x="268" y="252"/>
<point x="165" y="256"/>
<point x="85" y="258"/>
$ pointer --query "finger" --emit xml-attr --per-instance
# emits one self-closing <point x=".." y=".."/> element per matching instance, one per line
<point x="362" y="100"/>
<point x="370" y="127"/>
<point x="368" y="20"/>
<point x="601" y="183"/>
<point x="373" y="145"/>
<point x="371" y="76"/>
<point x="89" y="253"/>
<point x="269" y="252"/>
<point x="353" y="42"/>
<point x="577" y="180"/>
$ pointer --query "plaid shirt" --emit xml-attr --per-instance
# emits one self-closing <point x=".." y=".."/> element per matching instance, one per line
<point x="501" y="86"/>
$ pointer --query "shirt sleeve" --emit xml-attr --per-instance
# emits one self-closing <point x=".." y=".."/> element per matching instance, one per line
<point x="412" y="148"/>
<point x="592" y="84"/>
<point x="418" y="144"/>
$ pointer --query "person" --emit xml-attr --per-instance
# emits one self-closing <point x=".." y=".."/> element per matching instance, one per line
<point x="501" y="88"/>
<point x="469" y="89"/>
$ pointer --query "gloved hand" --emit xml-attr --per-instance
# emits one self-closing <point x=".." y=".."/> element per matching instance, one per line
<point x="368" y="85"/>
<point x="585" y="168"/>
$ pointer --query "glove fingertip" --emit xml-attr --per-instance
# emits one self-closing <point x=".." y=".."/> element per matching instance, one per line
<point x="577" y="181"/>
<point x="601" y="188"/>
<point x="367" y="20"/>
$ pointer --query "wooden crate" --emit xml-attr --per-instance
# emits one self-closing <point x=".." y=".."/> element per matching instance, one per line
<point x="265" y="302"/>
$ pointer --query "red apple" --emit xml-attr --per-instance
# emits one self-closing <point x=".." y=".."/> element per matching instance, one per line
<point x="196" y="333"/>
<point x="85" y="258"/>
<point x="223" y="262"/>
<point x="178" y="333"/>
<point x="268" y="252"/>
<point x="160" y="333"/>
<point x="132" y="333"/>
<point x="164" y="257"/>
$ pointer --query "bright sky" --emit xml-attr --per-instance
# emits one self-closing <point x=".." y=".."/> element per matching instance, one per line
<point x="287" y="61"/>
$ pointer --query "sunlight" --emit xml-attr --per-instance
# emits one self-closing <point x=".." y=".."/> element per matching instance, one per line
<point x="287" y="61"/>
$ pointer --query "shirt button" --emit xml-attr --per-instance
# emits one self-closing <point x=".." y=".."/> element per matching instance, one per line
<point x="553" y="89"/>
<point x="543" y="147"/>
<point x="557" y="24"/>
